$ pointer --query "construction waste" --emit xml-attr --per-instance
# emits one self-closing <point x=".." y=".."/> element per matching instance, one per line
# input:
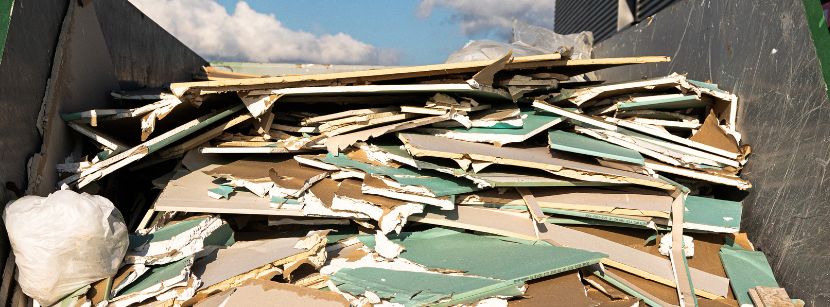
<point x="483" y="183"/>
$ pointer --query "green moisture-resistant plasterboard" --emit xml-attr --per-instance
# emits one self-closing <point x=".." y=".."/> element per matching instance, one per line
<point x="422" y="288"/>
<point x="488" y="256"/>
<point x="580" y="144"/>
<point x="667" y="102"/>
<point x="222" y="236"/>
<point x="746" y="269"/>
<point x="533" y="120"/>
<point x="719" y="215"/>
<point x="707" y="85"/>
<point x="224" y="191"/>
<point x="5" y="20"/>
<point x="157" y="274"/>
<point x="439" y="184"/>
<point x="574" y="217"/>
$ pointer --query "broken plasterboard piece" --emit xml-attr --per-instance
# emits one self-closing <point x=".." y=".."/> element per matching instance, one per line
<point x="437" y="183"/>
<point x="177" y="241"/>
<point x="337" y="143"/>
<point x="662" y="102"/>
<point x="247" y="260"/>
<point x="533" y="124"/>
<point x="421" y="288"/>
<point x="156" y="281"/>
<point x="257" y="292"/>
<point x="551" y="61"/>
<point x="581" y="118"/>
<point x="579" y="97"/>
<point x="709" y="214"/>
<point x="734" y="181"/>
<point x="186" y="193"/>
<point x="538" y="158"/>
<point x="457" y="252"/>
<point x="389" y="188"/>
<point x="746" y="270"/>
<point x="712" y="134"/>
<point x="620" y="256"/>
<point x="632" y="202"/>
<point x="118" y="161"/>
<point x="657" y="132"/>
<point x="571" y="142"/>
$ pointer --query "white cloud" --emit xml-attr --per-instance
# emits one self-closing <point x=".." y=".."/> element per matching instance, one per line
<point x="480" y="16"/>
<point x="247" y="35"/>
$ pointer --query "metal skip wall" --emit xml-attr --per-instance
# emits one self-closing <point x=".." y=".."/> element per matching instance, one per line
<point x="763" y="52"/>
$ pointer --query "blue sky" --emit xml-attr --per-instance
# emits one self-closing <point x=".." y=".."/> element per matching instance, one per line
<point x="392" y="25"/>
<point x="400" y="32"/>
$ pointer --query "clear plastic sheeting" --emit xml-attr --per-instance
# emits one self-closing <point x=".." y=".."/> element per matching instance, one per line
<point x="64" y="242"/>
<point x="527" y="40"/>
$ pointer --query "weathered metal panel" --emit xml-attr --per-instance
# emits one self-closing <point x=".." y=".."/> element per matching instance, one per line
<point x="598" y="16"/>
<point x="762" y="51"/>
<point x="646" y="8"/>
<point x="143" y="53"/>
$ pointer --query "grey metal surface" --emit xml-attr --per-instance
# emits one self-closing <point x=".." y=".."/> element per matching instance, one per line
<point x="597" y="16"/>
<point x="763" y="52"/>
<point x="143" y="53"/>
<point x="26" y="65"/>
<point x="646" y="8"/>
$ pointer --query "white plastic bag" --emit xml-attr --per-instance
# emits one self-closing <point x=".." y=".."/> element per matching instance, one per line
<point x="63" y="242"/>
<point x="527" y="40"/>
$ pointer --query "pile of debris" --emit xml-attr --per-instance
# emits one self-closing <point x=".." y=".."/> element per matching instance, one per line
<point x="493" y="182"/>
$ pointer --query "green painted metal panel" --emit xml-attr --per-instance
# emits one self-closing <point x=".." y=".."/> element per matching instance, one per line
<point x="5" y="19"/>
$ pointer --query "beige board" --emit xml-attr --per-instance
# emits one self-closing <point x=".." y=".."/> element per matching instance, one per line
<point x="636" y="202"/>
<point x="537" y="157"/>
<point x="187" y="192"/>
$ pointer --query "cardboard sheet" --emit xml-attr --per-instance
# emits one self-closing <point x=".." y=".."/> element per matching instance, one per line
<point x="713" y="135"/>
<point x="561" y="290"/>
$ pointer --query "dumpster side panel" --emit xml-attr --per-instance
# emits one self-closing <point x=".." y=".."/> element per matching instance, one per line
<point x="762" y="51"/>
<point x="143" y="54"/>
